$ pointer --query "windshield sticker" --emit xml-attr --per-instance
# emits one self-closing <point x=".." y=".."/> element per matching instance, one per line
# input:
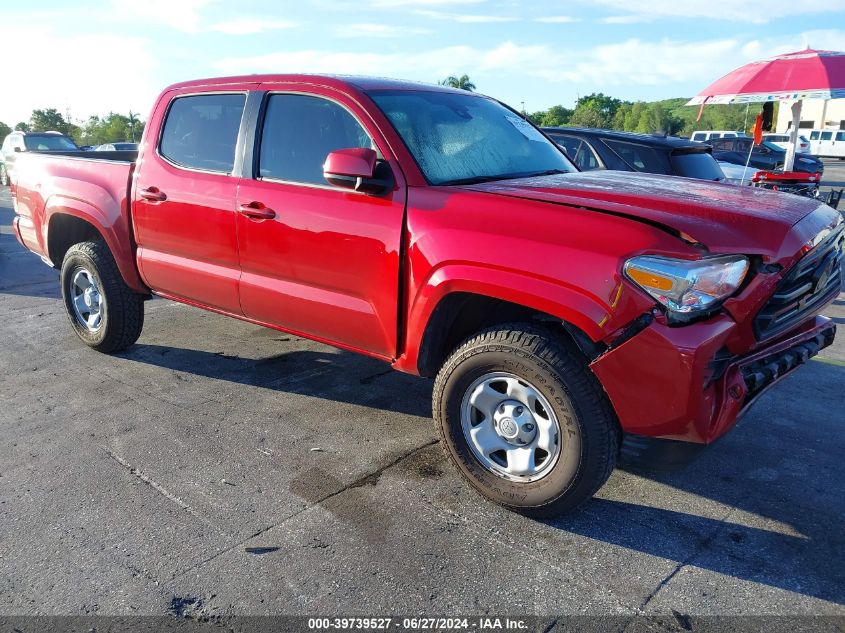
<point x="528" y="130"/>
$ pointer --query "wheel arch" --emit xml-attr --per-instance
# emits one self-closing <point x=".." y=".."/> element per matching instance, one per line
<point x="454" y="306"/>
<point x="70" y="221"/>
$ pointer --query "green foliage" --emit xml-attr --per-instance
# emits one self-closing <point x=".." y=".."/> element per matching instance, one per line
<point x="5" y="130"/>
<point x="553" y="117"/>
<point x="22" y="127"/>
<point x="109" y="129"/>
<point x="50" y="120"/>
<point x="463" y="82"/>
<point x="595" y="110"/>
<point x="668" y="116"/>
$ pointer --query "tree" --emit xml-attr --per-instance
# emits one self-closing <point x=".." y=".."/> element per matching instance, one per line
<point x="22" y="127"/>
<point x="556" y="116"/>
<point x="463" y="82"/>
<point x="109" y="129"/>
<point x="5" y="130"/>
<point x="50" y="120"/>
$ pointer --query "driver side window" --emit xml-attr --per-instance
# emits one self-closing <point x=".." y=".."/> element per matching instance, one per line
<point x="299" y="132"/>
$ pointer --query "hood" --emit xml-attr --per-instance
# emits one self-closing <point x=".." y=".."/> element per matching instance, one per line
<point x="722" y="217"/>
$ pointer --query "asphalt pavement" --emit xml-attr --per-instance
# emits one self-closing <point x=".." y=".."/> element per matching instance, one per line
<point x="218" y="468"/>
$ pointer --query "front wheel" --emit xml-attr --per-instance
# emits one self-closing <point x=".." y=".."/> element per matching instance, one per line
<point x="103" y="311"/>
<point x="525" y="420"/>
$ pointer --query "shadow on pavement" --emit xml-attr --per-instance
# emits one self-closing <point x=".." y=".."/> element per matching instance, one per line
<point x="750" y="475"/>
<point x="787" y="474"/>
<point x="340" y="376"/>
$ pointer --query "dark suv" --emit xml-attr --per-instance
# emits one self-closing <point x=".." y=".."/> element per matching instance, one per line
<point x="766" y="155"/>
<point x="591" y="148"/>
<point x="29" y="142"/>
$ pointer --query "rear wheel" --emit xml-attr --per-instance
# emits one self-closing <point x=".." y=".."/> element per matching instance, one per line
<point x="525" y="420"/>
<point x="103" y="311"/>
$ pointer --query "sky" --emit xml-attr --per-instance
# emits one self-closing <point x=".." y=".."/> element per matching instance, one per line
<point x="95" y="56"/>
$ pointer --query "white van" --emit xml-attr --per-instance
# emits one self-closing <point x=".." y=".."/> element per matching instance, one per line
<point x="782" y="141"/>
<point x="828" y="143"/>
<point x="703" y="136"/>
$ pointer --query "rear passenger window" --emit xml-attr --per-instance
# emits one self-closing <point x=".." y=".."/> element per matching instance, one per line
<point x="201" y="132"/>
<point x="640" y="157"/>
<point x="299" y="132"/>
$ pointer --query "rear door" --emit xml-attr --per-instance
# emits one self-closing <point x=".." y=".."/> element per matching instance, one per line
<point x="184" y="198"/>
<point x="838" y="146"/>
<point x="826" y="143"/>
<point x="327" y="263"/>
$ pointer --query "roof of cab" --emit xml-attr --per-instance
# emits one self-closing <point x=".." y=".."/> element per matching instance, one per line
<point x="332" y="81"/>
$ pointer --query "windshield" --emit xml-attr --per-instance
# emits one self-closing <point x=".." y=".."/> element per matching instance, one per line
<point x="36" y="142"/>
<point x="699" y="165"/>
<point x="464" y="138"/>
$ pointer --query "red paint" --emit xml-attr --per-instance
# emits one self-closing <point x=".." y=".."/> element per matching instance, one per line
<point x="366" y="272"/>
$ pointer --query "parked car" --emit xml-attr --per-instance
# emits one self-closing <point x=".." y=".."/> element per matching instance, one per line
<point x="591" y="148"/>
<point x="828" y="143"/>
<point x="702" y="136"/>
<point x="17" y="142"/>
<point x="782" y="141"/>
<point x="117" y="147"/>
<point x="440" y="232"/>
<point x="763" y="156"/>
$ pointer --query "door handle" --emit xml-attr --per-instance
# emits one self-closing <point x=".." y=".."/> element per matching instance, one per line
<point x="256" y="211"/>
<point x="152" y="193"/>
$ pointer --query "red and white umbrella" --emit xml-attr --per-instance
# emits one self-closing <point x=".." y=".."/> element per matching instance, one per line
<point x="808" y="74"/>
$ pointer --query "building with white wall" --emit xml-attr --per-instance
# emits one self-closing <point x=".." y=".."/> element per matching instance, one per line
<point x="815" y="113"/>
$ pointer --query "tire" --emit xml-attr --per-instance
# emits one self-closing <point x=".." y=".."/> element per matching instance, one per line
<point x="115" y="314"/>
<point x="588" y="436"/>
<point x="4" y="176"/>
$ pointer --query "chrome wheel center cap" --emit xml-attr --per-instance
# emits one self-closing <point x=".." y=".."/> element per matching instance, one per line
<point x="514" y="423"/>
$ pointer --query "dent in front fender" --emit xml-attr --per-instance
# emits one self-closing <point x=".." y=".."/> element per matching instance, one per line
<point x="659" y="380"/>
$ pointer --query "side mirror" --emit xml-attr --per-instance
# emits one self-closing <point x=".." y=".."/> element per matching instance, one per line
<point x="17" y="149"/>
<point x="356" y="168"/>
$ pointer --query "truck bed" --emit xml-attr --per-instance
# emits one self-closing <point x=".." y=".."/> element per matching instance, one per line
<point x="87" y="185"/>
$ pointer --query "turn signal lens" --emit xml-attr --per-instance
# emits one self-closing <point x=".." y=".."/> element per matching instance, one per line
<point x="686" y="287"/>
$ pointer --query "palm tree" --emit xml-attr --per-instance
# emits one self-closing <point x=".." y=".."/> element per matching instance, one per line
<point x="463" y="82"/>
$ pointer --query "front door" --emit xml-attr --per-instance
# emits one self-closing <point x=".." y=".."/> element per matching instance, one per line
<point x="184" y="200"/>
<point x="320" y="260"/>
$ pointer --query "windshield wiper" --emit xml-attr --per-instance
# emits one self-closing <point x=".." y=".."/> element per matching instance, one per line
<point x="474" y="180"/>
<point x="548" y="172"/>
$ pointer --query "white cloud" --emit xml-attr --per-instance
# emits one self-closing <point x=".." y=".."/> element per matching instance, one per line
<point x="377" y="30"/>
<point x="557" y="19"/>
<point x="120" y="80"/>
<point x="624" y="19"/>
<point x="182" y="15"/>
<point x="631" y="63"/>
<point x="465" y="19"/>
<point x="250" y="26"/>
<point x="755" y="11"/>
<point x="420" y="3"/>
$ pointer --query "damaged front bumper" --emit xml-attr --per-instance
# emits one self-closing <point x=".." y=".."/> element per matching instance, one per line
<point x="678" y="383"/>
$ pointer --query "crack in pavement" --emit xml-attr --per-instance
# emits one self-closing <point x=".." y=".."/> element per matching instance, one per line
<point x="159" y="488"/>
<point x="702" y="547"/>
<point x="361" y="481"/>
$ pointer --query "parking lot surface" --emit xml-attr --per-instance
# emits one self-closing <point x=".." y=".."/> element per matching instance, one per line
<point x="219" y="468"/>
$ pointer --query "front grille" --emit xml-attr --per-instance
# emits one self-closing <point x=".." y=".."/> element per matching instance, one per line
<point x="812" y="282"/>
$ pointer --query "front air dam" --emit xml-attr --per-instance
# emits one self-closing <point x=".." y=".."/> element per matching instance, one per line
<point x="663" y="382"/>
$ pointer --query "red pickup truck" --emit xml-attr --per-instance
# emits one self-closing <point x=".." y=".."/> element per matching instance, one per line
<point x="441" y="232"/>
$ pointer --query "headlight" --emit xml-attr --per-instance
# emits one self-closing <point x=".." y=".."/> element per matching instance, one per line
<point x="686" y="287"/>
